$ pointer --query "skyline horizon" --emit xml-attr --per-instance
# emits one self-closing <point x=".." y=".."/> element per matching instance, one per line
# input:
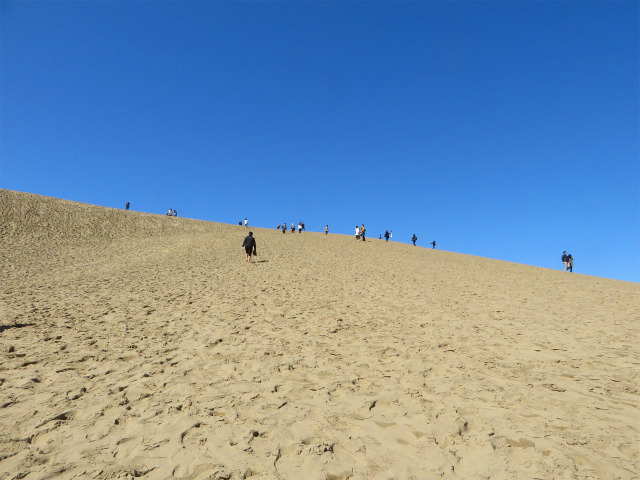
<point x="505" y="130"/>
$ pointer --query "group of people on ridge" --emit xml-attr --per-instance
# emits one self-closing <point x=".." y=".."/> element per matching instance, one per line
<point x="283" y="227"/>
<point x="360" y="232"/>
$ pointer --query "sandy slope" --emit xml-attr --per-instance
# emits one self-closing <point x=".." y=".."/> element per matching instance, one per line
<point x="139" y="345"/>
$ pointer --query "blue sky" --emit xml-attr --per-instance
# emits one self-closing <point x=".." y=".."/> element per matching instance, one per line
<point x="508" y="130"/>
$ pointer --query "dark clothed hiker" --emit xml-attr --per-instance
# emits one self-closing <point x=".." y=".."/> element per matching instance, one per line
<point x="249" y="245"/>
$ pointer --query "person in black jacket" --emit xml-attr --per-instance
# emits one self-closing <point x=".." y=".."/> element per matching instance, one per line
<point x="249" y="245"/>
<point x="413" y="239"/>
<point x="565" y="260"/>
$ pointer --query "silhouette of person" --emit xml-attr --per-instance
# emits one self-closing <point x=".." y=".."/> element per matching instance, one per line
<point x="362" y="230"/>
<point x="413" y="239"/>
<point x="565" y="260"/>
<point x="386" y="235"/>
<point x="326" y="229"/>
<point x="570" y="263"/>
<point x="434" y="245"/>
<point x="127" y="206"/>
<point x="175" y="213"/>
<point x="249" y="245"/>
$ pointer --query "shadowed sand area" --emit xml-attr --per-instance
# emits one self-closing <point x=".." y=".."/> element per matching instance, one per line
<point x="135" y="345"/>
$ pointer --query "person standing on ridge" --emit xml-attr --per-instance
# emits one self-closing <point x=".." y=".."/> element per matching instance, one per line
<point x="362" y="230"/>
<point x="570" y="263"/>
<point x="127" y="206"/>
<point x="249" y="245"/>
<point x="414" y="239"/>
<point x="284" y="227"/>
<point x="565" y="260"/>
<point x="357" y="232"/>
<point x="386" y="235"/>
<point x="326" y="229"/>
<point x="246" y="222"/>
<point x="434" y="245"/>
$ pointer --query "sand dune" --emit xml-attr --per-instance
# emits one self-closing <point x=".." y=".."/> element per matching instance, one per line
<point x="138" y="345"/>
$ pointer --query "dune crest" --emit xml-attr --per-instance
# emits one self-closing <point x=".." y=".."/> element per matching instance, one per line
<point x="135" y="345"/>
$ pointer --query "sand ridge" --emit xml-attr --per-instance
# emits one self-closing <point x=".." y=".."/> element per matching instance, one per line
<point x="139" y="345"/>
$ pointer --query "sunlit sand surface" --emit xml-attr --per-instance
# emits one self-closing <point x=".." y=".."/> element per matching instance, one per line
<point x="135" y="345"/>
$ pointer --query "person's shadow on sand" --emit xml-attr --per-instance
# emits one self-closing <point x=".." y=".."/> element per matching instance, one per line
<point x="262" y="261"/>
<point x="15" y="325"/>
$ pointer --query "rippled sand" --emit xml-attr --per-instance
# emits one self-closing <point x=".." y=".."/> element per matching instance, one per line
<point x="138" y="345"/>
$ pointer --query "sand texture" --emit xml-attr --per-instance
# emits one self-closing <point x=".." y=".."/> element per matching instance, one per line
<point x="135" y="345"/>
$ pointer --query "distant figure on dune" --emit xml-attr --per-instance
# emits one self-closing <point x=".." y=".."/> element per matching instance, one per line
<point x="326" y="229"/>
<point x="175" y="213"/>
<point x="570" y="263"/>
<point x="278" y="227"/>
<point x="362" y="230"/>
<point x="414" y="239"/>
<point x="386" y="235"/>
<point x="127" y="206"/>
<point x="300" y="227"/>
<point x="357" y="232"/>
<point x="565" y="260"/>
<point x="249" y="245"/>
<point x="434" y="245"/>
<point x="169" y="212"/>
<point x="293" y="228"/>
<point x="246" y="222"/>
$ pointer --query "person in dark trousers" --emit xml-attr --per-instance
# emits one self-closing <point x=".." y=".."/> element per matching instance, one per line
<point x="414" y="239"/>
<point x="570" y="263"/>
<point x="326" y="229"/>
<point x="362" y="230"/>
<point x="284" y="227"/>
<point x="565" y="260"/>
<point x="249" y="245"/>
<point x="127" y="206"/>
<point x="175" y="213"/>
<point x="386" y="235"/>
<point x="433" y="245"/>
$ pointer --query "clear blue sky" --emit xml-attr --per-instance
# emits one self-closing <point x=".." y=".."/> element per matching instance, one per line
<point x="507" y="130"/>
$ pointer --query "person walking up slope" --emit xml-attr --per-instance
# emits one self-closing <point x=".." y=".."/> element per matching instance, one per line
<point x="249" y="245"/>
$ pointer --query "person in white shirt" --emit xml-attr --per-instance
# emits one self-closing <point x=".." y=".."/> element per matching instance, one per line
<point x="357" y="232"/>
